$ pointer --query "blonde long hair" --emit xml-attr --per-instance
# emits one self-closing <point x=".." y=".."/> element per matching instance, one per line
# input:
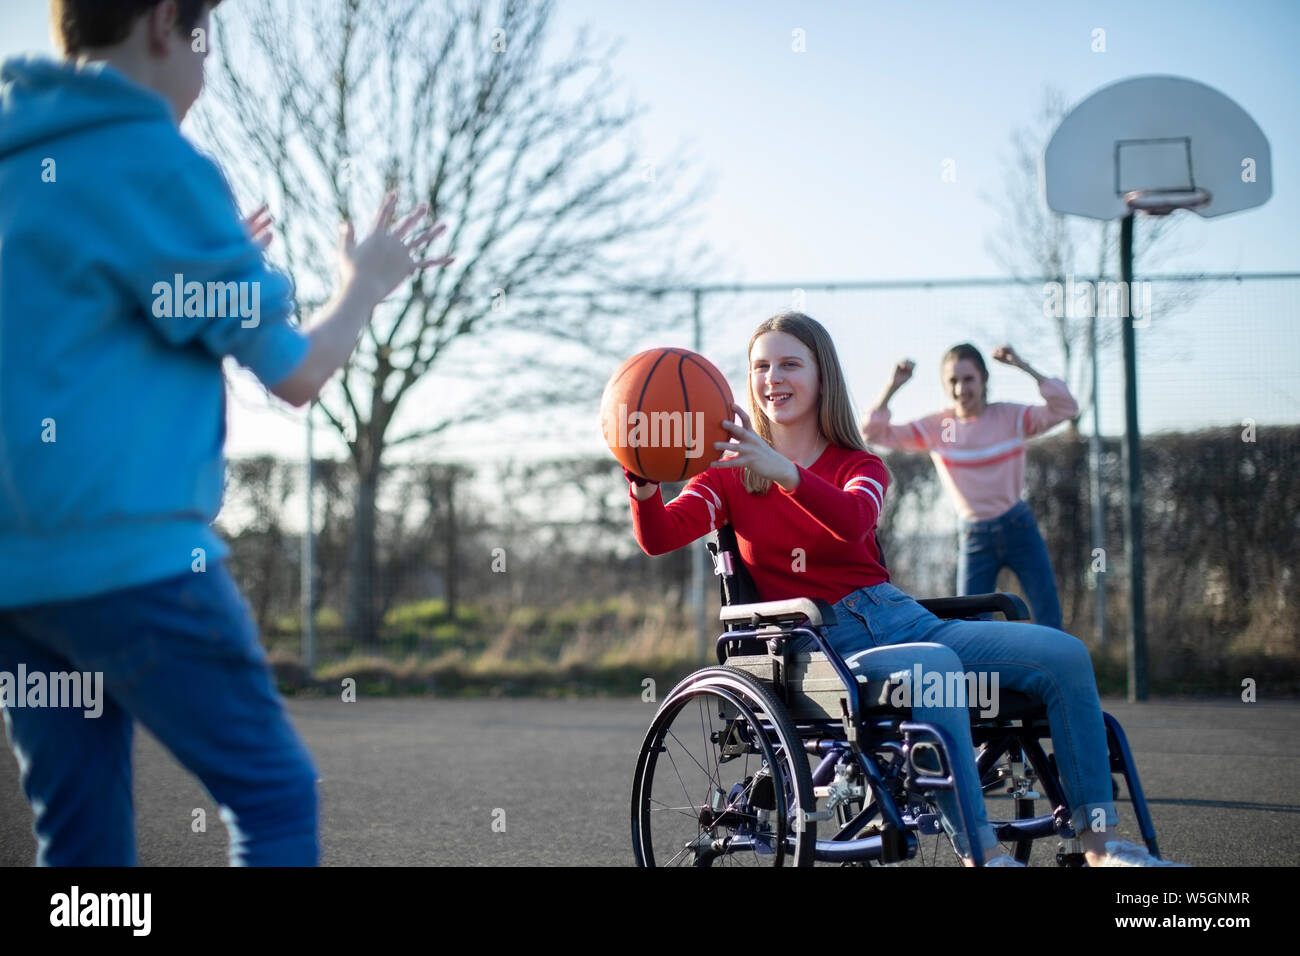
<point x="835" y="415"/>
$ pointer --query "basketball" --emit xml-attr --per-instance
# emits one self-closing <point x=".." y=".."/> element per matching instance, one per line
<point x="662" y="411"/>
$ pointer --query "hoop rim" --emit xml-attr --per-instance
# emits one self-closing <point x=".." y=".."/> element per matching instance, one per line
<point x="1161" y="202"/>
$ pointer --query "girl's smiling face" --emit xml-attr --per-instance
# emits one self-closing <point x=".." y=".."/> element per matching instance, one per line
<point x="783" y="379"/>
<point x="965" y="385"/>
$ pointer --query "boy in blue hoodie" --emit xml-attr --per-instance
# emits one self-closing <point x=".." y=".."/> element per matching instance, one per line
<point x="126" y="276"/>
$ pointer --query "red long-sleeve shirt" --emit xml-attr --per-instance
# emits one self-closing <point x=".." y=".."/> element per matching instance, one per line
<point x="817" y="541"/>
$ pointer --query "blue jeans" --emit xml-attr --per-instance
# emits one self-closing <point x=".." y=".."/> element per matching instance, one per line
<point x="181" y="656"/>
<point x="881" y="630"/>
<point x="1011" y="540"/>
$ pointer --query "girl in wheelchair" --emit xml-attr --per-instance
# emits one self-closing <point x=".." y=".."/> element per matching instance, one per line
<point x="803" y="496"/>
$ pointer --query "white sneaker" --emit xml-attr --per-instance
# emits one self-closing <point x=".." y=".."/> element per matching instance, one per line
<point x="1003" y="860"/>
<point x="1124" y="853"/>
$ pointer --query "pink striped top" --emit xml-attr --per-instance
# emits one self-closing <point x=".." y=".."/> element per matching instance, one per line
<point x="981" y="460"/>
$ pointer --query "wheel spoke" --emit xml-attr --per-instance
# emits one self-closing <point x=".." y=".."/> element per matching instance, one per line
<point x="709" y="775"/>
<point x="688" y="811"/>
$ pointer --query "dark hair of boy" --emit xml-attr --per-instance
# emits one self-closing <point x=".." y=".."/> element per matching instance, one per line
<point x="89" y="24"/>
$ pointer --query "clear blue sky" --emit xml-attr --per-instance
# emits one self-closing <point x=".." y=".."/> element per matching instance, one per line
<point x="827" y="163"/>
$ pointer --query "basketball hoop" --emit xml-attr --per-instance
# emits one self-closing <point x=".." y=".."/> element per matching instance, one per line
<point x="1156" y="144"/>
<point x="1161" y="202"/>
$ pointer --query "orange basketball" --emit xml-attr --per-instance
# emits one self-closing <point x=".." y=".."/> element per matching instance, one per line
<point x="662" y="411"/>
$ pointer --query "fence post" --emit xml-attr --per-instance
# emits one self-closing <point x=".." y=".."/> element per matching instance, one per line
<point x="1137" y="635"/>
<point x="1094" y="486"/>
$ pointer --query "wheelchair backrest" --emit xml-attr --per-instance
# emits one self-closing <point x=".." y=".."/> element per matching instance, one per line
<point x="736" y="584"/>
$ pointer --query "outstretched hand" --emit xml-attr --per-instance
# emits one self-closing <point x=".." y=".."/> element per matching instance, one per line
<point x="258" y="226"/>
<point x="747" y="449"/>
<point x="381" y="261"/>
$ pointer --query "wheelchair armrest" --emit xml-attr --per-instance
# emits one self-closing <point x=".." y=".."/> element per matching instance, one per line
<point x="1010" y="605"/>
<point x="817" y="612"/>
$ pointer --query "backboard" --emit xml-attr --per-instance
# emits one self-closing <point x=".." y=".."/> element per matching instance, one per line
<point x="1157" y="143"/>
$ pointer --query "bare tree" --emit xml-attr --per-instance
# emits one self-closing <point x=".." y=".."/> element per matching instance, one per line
<point x="258" y="538"/>
<point x="558" y="227"/>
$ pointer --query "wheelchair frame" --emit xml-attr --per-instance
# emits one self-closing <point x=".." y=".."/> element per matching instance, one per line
<point x="787" y="708"/>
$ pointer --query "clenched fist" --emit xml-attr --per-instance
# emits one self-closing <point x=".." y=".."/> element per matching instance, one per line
<point x="902" y="372"/>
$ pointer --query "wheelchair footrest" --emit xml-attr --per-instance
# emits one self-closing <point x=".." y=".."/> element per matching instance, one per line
<point x="928" y="823"/>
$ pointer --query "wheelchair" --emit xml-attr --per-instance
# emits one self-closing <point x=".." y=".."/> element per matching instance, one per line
<point x="776" y="757"/>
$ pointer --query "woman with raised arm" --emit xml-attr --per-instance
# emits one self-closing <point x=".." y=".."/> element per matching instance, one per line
<point x="803" y="496"/>
<point x="979" y="451"/>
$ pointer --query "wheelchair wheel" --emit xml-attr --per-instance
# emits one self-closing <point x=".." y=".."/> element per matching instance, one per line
<point x="722" y="778"/>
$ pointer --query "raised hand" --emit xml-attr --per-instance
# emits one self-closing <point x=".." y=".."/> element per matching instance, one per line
<point x="383" y="260"/>
<point x="1007" y="356"/>
<point x="902" y="372"/>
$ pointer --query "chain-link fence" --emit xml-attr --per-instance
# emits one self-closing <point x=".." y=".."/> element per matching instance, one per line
<point x="534" y="544"/>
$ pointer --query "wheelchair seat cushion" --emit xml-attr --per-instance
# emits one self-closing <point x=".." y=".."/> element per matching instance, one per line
<point x="813" y="690"/>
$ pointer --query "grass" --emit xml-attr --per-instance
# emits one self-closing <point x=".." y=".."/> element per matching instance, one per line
<point x="606" y="647"/>
<point x="611" y="646"/>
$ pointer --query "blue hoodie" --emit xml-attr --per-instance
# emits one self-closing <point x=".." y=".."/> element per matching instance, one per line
<point x="102" y="205"/>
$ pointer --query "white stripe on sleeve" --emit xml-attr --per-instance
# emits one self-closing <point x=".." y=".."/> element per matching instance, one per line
<point x="713" y="514"/>
<point x="880" y="492"/>
<point x="861" y="483"/>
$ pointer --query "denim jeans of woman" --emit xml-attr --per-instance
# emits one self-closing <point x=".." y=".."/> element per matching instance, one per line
<point x="1010" y="540"/>
<point x="880" y="630"/>
<point x="181" y="656"/>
